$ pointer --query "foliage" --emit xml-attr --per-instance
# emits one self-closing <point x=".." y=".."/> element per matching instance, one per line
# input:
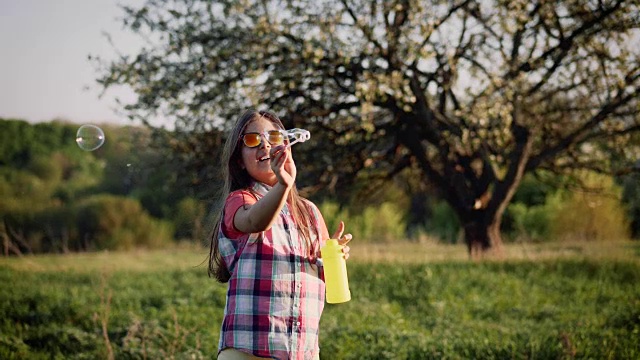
<point x="109" y="222"/>
<point x="532" y="222"/>
<point x="382" y="223"/>
<point x="471" y="94"/>
<point x="21" y="142"/>
<point x="44" y="200"/>
<point x="594" y="215"/>
<point x="631" y="198"/>
<point x="443" y="223"/>
<point x="36" y="206"/>
<point x="52" y="193"/>
<point x="583" y="206"/>
<point x="136" y="165"/>
<point x="563" y="308"/>
<point x="189" y="220"/>
<point x="534" y="190"/>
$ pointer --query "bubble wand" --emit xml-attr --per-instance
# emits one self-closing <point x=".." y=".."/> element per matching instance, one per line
<point x="297" y="135"/>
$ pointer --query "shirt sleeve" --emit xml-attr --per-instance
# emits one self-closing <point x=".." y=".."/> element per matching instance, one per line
<point x="235" y="201"/>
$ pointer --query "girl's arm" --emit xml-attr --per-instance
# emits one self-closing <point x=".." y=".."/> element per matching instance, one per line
<point x="262" y="214"/>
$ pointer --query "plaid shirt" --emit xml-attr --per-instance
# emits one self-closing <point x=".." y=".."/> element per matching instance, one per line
<point x="276" y="292"/>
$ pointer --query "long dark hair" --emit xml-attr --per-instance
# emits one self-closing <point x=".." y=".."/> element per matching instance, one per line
<point x="236" y="178"/>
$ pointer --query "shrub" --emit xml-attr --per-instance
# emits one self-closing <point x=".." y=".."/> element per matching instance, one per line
<point x="114" y="223"/>
<point x="383" y="223"/>
<point x="373" y="224"/>
<point x="333" y="214"/>
<point x="444" y="223"/>
<point x="589" y="215"/>
<point x="189" y="219"/>
<point x="531" y="222"/>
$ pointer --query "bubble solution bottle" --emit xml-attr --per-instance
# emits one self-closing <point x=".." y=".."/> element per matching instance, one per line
<point x="335" y="272"/>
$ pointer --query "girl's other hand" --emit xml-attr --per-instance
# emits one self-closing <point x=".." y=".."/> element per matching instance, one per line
<point x="282" y="165"/>
<point x="343" y="239"/>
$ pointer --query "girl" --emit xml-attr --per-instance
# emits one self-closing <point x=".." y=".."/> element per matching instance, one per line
<point x="266" y="245"/>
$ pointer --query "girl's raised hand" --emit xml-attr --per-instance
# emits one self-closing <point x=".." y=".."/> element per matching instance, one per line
<point x="282" y="165"/>
<point x="343" y="239"/>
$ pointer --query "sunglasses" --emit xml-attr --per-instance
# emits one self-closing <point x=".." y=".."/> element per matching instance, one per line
<point x="274" y="137"/>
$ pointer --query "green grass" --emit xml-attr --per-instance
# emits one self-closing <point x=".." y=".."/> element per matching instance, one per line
<point x="410" y="301"/>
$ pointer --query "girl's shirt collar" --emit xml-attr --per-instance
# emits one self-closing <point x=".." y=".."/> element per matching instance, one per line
<point x="260" y="188"/>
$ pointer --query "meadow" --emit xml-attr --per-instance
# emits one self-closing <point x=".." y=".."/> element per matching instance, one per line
<point x="409" y="301"/>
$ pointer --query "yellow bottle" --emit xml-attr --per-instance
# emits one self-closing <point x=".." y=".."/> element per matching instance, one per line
<point x="335" y="272"/>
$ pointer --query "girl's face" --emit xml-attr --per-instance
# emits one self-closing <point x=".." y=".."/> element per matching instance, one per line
<point x="256" y="160"/>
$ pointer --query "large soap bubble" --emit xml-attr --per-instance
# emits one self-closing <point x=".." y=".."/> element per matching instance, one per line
<point x="89" y="137"/>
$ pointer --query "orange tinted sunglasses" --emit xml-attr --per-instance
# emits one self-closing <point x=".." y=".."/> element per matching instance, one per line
<point x="274" y="137"/>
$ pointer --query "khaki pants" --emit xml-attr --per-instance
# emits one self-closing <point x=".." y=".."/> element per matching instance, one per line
<point x="233" y="354"/>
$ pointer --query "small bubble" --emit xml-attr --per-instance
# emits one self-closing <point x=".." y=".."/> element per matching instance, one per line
<point x="89" y="137"/>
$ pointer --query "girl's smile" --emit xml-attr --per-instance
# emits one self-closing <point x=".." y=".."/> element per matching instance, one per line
<point x="256" y="160"/>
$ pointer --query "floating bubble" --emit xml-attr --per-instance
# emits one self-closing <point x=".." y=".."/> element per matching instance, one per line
<point x="89" y="137"/>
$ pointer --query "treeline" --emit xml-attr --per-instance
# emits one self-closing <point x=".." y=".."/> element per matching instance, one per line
<point x="55" y="197"/>
<point x="134" y="191"/>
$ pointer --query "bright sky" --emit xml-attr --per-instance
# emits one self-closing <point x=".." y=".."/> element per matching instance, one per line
<point x="44" y="70"/>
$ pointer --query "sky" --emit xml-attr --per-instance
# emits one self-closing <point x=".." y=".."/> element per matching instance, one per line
<point x="45" y="73"/>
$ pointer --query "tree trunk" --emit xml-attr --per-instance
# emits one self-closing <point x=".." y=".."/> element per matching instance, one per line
<point x="482" y="225"/>
<point x="476" y="236"/>
<point x="418" y="212"/>
<point x="8" y="245"/>
<point x="480" y="236"/>
<point x="17" y="240"/>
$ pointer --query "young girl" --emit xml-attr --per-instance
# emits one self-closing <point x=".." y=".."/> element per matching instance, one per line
<point x="266" y="244"/>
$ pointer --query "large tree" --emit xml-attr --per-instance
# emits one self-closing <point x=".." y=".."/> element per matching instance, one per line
<point x="467" y="96"/>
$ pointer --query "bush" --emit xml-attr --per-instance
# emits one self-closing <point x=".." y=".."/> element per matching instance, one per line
<point x="589" y="215"/>
<point x="333" y="214"/>
<point x="531" y="222"/>
<point x="444" y="223"/>
<point x="189" y="219"/>
<point x="381" y="223"/>
<point x="115" y="223"/>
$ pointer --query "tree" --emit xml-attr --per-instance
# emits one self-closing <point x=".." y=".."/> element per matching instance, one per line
<point x="467" y="95"/>
<point x="631" y="196"/>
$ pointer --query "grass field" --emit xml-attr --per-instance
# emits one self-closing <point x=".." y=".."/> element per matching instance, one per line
<point x="410" y="301"/>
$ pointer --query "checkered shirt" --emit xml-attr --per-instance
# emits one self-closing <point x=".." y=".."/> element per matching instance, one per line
<point x="276" y="292"/>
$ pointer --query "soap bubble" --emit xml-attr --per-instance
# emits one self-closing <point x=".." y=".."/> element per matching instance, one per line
<point x="89" y="137"/>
